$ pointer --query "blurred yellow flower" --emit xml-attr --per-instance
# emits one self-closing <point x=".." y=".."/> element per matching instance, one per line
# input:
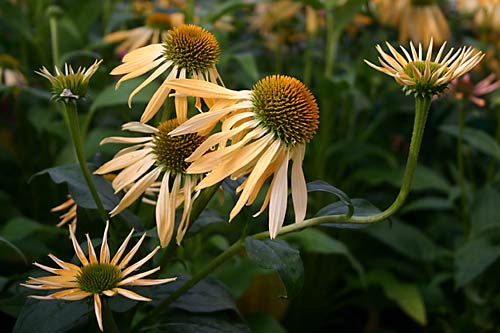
<point x="262" y="130"/>
<point x="422" y="76"/>
<point x="150" y="33"/>
<point x="156" y="156"/>
<point x="187" y="51"/>
<point x="417" y="20"/>
<point x="95" y="277"/>
<point x="9" y="71"/>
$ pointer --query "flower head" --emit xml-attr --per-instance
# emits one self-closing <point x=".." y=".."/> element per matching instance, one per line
<point x="261" y="131"/>
<point x="156" y="24"/>
<point x="68" y="84"/>
<point x="9" y="71"/>
<point x="464" y="88"/>
<point x="96" y="277"/>
<point x="157" y="160"/>
<point x="186" y="51"/>
<point x="421" y="75"/>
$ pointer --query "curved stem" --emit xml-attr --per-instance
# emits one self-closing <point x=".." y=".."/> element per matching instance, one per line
<point x="72" y="117"/>
<point x="461" y="173"/>
<point x="422" y="106"/>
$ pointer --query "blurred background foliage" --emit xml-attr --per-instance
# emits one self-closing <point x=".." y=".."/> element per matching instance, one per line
<point x="432" y="268"/>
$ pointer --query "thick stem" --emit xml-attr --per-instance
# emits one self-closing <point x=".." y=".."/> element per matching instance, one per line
<point x="422" y="106"/>
<point x="461" y="172"/>
<point x="72" y="117"/>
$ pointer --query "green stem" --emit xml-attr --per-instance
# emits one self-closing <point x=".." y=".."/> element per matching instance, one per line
<point x="308" y="61"/>
<point x="72" y="118"/>
<point x="422" y="106"/>
<point x="54" y="42"/>
<point x="461" y="173"/>
<point x="190" y="11"/>
<point x="332" y="39"/>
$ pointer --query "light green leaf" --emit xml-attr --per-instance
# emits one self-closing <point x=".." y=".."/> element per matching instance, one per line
<point x="248" y="64"/>
<point x="478" y="139"/>
<point x="484" y="212"/>
<point x="405" y="239"/>
<point x="316" y="241"/>
<point x="406" y="295"/>
<point x="277" y="255"/>
<point x="473" y="258"/>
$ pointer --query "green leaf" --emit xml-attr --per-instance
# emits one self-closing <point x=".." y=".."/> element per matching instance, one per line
<point x="208" y="216"/>
<point x="321" y="186"/>
<point x="361" y="207"/>
<point x="478" y="139"/>
<point x="238" y="275"/>
<point x="264" y="323"/>
<point x="484" y="211"/>
<point x="405" y="239"/>
<point x="472" y="258"/>
<point x="77" y="187"/>
<point x="406" y="295"/>
<point x="277" y="255"/>
<point x="180" y="322"/>
<point x="111" y="97"/>
<point x="19" y="227"/>
<point x="427" y="203"/>
<point x="15" y="248"/>
<point x="73" y="176"/>
<point x="53" y="316"/>
<point x="248" y="64"/>
<point x="208" y="295"/>
<point x="426" y="179"/>
<point x="316" y="241"/>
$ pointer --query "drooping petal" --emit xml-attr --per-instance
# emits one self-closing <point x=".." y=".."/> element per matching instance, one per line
<point x="278" y="201"/>
<point x="98" y="311"/>
<point x="299" y="188"/>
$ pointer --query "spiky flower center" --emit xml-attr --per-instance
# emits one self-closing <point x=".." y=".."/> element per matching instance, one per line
<point x="286" y="107"/>
<point x="70" y="85"/>
<point x="423" y="84"/>
<point x="172" y="151"/>
<point x="191" y="47"/>
<point x="160" y="21"/>
<point x="98" y="277"/>
<point x="6" y="61"/>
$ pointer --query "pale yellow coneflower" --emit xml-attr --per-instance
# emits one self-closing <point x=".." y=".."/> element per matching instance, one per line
<point x="419" y="74"/>
<point x="68" y="83"/>
<point x="96" y="277"/>
<point x="156" y="156"/>
<point x="187" y="51"/>
<point x="262" y="130"/>
<point x="156" y="24"/>
<point x="389" y="12"/>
